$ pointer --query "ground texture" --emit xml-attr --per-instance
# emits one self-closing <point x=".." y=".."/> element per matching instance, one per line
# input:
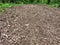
<point x="30" y="25"/>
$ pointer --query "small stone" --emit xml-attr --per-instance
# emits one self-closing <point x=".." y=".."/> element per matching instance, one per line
<point x="5" y="35"/>
<point x="26" y="24"/>
<point x="8" y="25"/>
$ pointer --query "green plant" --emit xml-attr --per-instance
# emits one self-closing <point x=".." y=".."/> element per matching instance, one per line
<point x="5" y="5"/>
<point x="44" y="1"/>
<point x="10" y="3"/>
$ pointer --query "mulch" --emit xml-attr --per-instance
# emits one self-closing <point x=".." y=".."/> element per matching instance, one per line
<point x="30" y="25"/>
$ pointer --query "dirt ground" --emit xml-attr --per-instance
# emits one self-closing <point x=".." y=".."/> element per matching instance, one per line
<point x="30" y="25"/>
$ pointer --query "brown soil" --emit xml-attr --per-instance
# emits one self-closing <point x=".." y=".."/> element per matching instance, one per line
<point x="30" y="25"/>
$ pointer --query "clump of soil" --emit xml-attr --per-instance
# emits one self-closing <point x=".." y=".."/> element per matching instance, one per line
<point x="30" y="25"/>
